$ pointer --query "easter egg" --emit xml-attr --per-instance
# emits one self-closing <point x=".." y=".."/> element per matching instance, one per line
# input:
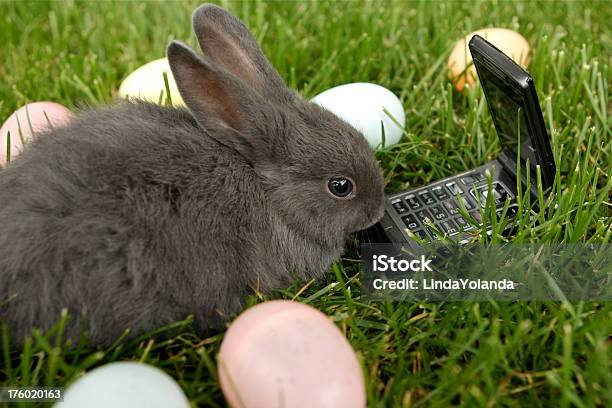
<point x="509" y="42"/>
<point x="147" y="82"/>
<point x="124" y="385"/>
<point x="363" y="105"/>
<point x="287" y="354"/>
<point x="26" y="122"/>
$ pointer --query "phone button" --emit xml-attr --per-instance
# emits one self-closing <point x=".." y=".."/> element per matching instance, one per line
<point x="439" y="192"/>
<point x="469" y="180"/>
<point x="426" y="198"/>
<point x="451" y="207"/>
<point x="512" y="210"/>
<point x="438" y="212"/>
<point x="422" y="235"/>
<point x="400" y="208"/>
<point x="476" y="215"/>
<point x="410" y="221"/>
<point x="448" y="227"/>
<point x="498" y="191"/>
<point x="462" y="223"/>
<point x="423" y="216"/>
<point x="412" y="202"/>
<point x="510" y="213"/>
<point x="454" y="188"/>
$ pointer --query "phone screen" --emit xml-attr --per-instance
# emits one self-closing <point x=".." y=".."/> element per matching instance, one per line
<point x="507" y="109"/>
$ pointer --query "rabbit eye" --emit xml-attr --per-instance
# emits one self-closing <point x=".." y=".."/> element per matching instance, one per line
<point x="340" y="187"/>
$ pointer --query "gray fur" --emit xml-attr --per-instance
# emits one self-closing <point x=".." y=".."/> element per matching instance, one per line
<point x="137" y="215"/>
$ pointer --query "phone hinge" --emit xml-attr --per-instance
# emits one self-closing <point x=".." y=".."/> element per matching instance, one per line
<point x="509" y="165"/>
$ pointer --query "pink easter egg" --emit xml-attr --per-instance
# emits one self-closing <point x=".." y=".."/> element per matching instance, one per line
<point x="40" y="114"/>
<point x="287" y="354"/>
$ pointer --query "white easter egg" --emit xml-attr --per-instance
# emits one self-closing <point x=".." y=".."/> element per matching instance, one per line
<point x="147" y="82"/>
<point x="287" y="354"/>
<point x="461" y="69"/>
<point x="363" y="106"/>
<point x="125" y="385"/>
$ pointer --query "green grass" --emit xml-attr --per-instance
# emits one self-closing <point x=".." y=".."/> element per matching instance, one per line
<point x="413" y="354"/>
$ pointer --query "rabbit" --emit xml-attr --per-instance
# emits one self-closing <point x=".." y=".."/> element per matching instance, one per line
<point x="137" y="215"/>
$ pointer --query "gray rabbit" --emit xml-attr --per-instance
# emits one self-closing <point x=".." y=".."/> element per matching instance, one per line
<point x="138" y="215"/>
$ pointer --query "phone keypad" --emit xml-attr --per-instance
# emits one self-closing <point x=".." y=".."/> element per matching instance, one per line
<point x="441" y="206"/>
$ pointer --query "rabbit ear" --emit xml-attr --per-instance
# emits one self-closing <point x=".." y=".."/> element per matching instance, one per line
<point x="226" y="41"/>
<point x="219" y="102"/>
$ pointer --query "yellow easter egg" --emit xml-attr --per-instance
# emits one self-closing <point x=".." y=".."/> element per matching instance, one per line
<point x="147" y="82"/>
<point x="461" y="69"/>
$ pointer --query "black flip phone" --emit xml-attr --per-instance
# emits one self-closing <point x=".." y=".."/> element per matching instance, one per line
<point x="514" y="107"/>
